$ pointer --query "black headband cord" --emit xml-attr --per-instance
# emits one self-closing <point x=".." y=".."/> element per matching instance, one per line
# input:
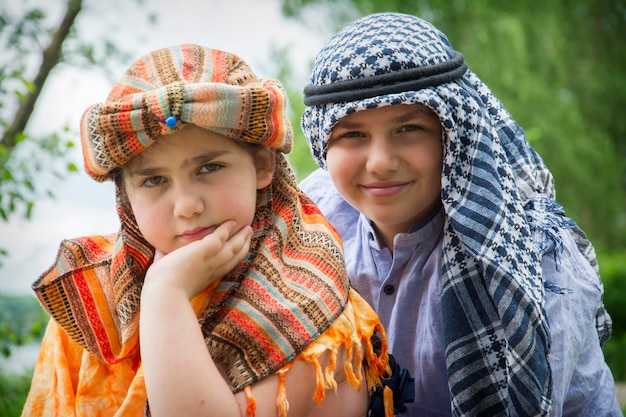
<point x="411" y="79"/>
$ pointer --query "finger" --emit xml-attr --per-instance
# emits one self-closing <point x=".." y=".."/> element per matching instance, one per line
<point x="225" y="230"/>
<point x="225" y="233"/>
<point x="240" y="238"/>
<point x="241" y="242"/>
<point x="234" y="250"/>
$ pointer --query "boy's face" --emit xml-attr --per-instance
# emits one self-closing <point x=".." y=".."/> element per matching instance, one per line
<point x="387" y="162"/>
<point x="186" y="184"/>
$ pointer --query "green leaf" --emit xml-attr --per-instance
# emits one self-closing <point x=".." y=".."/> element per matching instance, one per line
<point x="29" y="184"/>
<point x="29" y="209"/>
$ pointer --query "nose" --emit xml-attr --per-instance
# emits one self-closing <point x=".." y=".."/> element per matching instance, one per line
<point x="381" y="155"/>
<point x="188" y="201"/>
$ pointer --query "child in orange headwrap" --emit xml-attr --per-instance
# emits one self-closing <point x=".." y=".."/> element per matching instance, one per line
<point x="224" y="292"/>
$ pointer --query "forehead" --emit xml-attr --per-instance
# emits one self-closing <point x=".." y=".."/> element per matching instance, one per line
<point x="394" y="112"/>
<point x="185" y="144"/>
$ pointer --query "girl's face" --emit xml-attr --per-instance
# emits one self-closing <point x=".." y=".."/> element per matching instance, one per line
<point x="186" y="184"/>
<point x="386" y="162"/>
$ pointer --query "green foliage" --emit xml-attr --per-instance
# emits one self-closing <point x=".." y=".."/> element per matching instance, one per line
<point x="613" y="272"/>
<point x="545" y="70"/>
<point x="19" y="171"/>
<point x="24" y="34"/>
<point x="22" y="321"/>
<point x="13" y="392"/>
<point x="19" y="35"/>
<point x="33" y="47"/>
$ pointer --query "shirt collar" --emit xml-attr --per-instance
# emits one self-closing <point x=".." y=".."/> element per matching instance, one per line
<point x="430" y="229"/>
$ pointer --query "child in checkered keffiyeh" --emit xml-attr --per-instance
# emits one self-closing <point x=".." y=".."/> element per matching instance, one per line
<point x="489" y="293"/>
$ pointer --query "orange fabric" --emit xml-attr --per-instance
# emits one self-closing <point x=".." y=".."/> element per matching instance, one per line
<point x="70" y="382"/>
<point x="388" y="401"/>
<point x="353" y="330"/>
<point x="251" y="408"/>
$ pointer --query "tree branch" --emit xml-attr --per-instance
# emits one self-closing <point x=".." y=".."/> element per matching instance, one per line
<point x="51" y="57"/>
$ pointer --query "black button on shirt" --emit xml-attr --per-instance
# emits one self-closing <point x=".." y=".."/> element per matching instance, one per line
<point x="389" y="289"/>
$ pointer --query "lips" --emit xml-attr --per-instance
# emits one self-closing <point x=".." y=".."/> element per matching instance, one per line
<point x="385" y="188"/>
<point x="196" y="233"/>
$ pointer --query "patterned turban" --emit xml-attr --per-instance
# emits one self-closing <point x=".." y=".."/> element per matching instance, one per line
<point x="167" y="88"/>
<point x="496" y="191"/>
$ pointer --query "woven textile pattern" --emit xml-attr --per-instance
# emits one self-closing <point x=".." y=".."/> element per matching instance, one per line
<point x="498" y="196"/>
<point x="287" y="292"/>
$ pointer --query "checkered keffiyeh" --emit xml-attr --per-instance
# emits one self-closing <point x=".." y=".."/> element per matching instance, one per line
<point x="497" y="194"/>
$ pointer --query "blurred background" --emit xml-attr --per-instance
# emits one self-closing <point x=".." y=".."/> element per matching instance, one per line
<point x="558" y="66"/>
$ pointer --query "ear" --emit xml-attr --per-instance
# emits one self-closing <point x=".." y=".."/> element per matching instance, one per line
<point x="265" y="167"/>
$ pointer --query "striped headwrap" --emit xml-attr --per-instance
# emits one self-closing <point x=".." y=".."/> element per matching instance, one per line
<point x="290" y="289"/>
<point x="497" y="193"/>
<point x="167" y="88"/>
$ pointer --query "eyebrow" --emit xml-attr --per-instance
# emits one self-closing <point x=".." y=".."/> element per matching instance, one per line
<point x="404" y="117"/>
<point x="146" y="171"/>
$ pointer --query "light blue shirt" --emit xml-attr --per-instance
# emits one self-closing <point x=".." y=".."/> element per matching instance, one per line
<point x="404" y="289"/>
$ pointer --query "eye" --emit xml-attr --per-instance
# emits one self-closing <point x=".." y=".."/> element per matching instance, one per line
<point x="410" y="128"/>
<point x="353" y="134"/>
<point x="210" y="167"/>
<point x="152" y="181"/>
<point x="348" y="134"/>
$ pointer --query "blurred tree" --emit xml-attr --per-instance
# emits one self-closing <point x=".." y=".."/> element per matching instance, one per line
<point x="22" y="321"/>
<point x="557" y="66"/>
<point x="22" y="36"/>
<point x="33" y="47"/>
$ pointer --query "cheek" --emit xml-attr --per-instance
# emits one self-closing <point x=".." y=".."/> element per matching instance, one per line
<point x="147" y="217"/>
<point x="432" y="169"/>
<point x="144" y="218"/>
<point x="436" y="166"/>
<point x="237" y="201"/>
<point x="431" y="157"/>
<point x="340" y="163"/>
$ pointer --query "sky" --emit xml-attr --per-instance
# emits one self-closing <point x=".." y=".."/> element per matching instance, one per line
<point x="82" y="206"/>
